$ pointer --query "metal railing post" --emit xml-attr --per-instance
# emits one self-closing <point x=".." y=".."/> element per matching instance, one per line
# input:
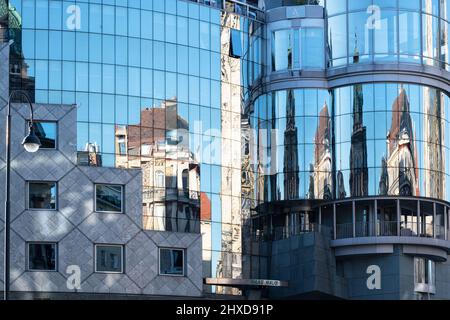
<point x="418" y="218"/>
<point x="398" y="218"/>
<point x="353" y="219"/>
<point x="375" y="218"/>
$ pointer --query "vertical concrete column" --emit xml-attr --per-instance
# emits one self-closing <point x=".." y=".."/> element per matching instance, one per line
<point x="334" y="221"/>
<point x="353" y="220"/>
<point x="418" y="218"/>
<point x="434" y="220"/>
<point x="445" y="223"/>
<point x="398" y="217"/>
<point x="375" y="218"/>
<point x="320" y="219"/>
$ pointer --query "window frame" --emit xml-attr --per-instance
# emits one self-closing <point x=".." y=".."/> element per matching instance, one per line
<point x="28" y="195"/>
<point x="183" y="250"/>
<point x="233" y="52"/>
<point x="297" y="60"/>
<point x="56" y="132"/>
<point x="122" y="206"/>
<point x="122" y="260"/>
<point x="28" y="256"/>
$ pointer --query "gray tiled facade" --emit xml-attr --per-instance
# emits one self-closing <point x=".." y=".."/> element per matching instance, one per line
<point x="76" y="227"/>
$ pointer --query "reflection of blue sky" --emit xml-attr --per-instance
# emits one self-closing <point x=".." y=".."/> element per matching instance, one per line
<point x="136" y="69"/>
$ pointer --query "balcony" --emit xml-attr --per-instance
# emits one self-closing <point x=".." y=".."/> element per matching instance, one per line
<point x="280" y="233"/>
<point x="387" y="229"/>
<point x="375" y="225"/>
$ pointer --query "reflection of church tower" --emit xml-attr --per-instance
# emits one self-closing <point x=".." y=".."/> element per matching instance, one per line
<point x="433" y="152"/>
<point x="290" y="164"/>
<point x="322" y="156"/>
<point x="18" y="67"/>
<point x="401" y="162"/>
<point x="358" y="151"/>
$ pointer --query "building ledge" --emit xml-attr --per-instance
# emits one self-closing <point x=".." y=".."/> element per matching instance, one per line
<point x="436" y="249"/>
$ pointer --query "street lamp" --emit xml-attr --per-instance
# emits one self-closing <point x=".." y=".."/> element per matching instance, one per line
<point x="31" y="143"/>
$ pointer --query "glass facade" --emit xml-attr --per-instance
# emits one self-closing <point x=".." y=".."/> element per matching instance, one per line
<point x="391" y="139"/>
<point x="413" y="31"/>
<point x="159" y="86"/>
<point x="298" y="49"/>
<point x="362" y="140"/>
<point x="174" y="87"/>
<point x="292" y="142"/>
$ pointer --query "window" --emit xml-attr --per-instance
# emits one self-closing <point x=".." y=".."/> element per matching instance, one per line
<point x="121" y="143"/>
<point x="42" y="256"/>
<point x="282" y="50"/>
<point x="171" y="262"/>
<point x="235" y="44"/>
<point x="108" y="258"/>
<point x="298" y="49"/>
<point x="108" y="198"/>
<point x="46" y="132"/>
<point x="42" y="195"/>
<point x="159" y="179"/>
<point x="424" y="275"/>
<point x="312" y="48"/>
<point x="185" y="178"/>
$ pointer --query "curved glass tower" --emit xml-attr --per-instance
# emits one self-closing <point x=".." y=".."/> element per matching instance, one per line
<point x="350" y="141"/>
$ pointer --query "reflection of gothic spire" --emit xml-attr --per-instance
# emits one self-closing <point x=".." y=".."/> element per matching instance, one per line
<point x="358" y="98"/>
<point x="341" y="187"/>
<point x="330" y="49"/>
<point x="358" y="150"/>
<point x="290" y="165"/>
<point x="402" y="158"/>
<point x="384" y="178"/>
<point x="311" y="194"/>
<point x="356" y="50"/>
<point x="322" y="156"/>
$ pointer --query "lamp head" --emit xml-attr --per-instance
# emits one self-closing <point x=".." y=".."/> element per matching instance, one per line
<point x="31" y="142"/>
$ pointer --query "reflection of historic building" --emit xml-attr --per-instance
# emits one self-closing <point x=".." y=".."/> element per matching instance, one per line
<point x="322" y="157"/>
<point x="359" y="177"/>
<point x="171" y="177"/>
<point x="3" y="20"/>
<point x="433" y="131"/>
<point x="290" y="161"/>
<point x="248" y="189"/>
<point x="229" y="264"/>
<point x="401" y="161"/>
<point x="18" y="67"/>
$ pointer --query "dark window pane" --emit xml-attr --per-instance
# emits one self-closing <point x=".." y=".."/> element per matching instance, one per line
<point x="42" y="195"/>
<point x="235" y="44"/>
<point x="42" y="256"/>
<point x="108" y="258"/>
<point x="108" y="198"/>
<point x="46" y="132"/>
<point x="171" y="262"/>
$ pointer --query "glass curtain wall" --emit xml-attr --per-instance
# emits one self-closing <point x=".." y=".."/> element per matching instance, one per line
<point x="411" y="31"/>
<point x="385" y="139"/>
<point x="157" y="89"/>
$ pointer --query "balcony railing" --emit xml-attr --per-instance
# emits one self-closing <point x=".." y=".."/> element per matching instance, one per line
<point x="388" y="228"/>
<point x="279" y="233"/>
